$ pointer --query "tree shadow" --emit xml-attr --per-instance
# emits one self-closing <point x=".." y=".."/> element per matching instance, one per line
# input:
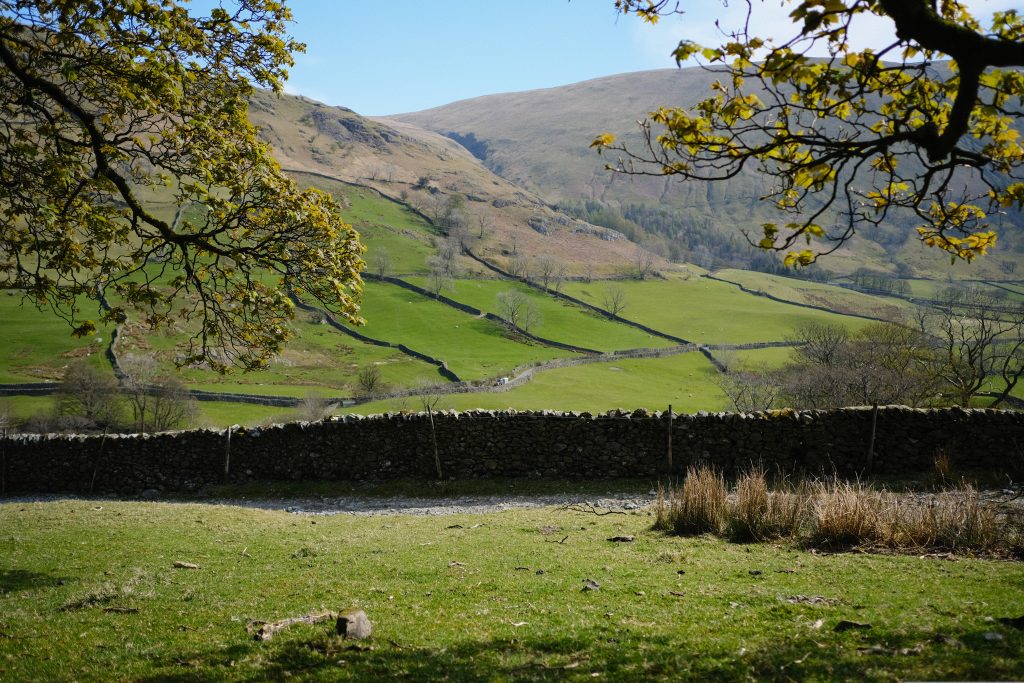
<point x="621" y="657"/>
<point x="14" y="580"/>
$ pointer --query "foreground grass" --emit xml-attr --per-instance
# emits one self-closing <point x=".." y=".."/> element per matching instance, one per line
<point x="475" y="597"/>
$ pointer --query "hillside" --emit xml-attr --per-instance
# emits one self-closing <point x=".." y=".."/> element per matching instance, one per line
<point x="325" y="146"/>
<point x="539" y="139"/>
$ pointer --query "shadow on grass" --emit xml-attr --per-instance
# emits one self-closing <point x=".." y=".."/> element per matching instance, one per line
<point x="861" y="655"/>
<point x="14" y="580"/>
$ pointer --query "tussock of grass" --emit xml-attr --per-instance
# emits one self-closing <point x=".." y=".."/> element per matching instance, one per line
<point x="833" y="513"/>
<point x="698" y="506"/>
<point x="757" y="514"/>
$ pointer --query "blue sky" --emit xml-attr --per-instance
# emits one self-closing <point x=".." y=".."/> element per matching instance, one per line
<point x="405" y="55"/>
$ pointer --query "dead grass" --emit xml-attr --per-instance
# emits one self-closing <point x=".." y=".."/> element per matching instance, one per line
<point x="837" y="514"/>
<point x="697" y="507"/>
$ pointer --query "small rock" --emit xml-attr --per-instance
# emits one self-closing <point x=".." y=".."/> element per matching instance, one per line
<point x="992" y="637"/>
<point x="630" y="506"/>
<point x="353" y="624"/>
<point x="622" y="539"/>
<point x="590" y="585"/>
<point x="178" y="564"/>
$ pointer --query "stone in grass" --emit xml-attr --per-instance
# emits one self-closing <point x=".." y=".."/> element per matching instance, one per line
<point x="590" y="585"/>
<point x="622" y="539"/>
<point x="178" y="564"/>
<point x="353" y="624"/>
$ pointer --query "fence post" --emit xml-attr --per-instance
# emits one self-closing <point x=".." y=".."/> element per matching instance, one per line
<point x="227" y="456"/>
<point x="433" y="438"/>
<point x="669" y="439"/>
<point x="3" y="464"/>
<point x="871" y="443"/>
<point x="96" y="462"/>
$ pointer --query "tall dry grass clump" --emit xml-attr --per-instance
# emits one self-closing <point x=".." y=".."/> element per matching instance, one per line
<point x="696" y="507"/>
<point x="954" y="520"/>
<point x="757" y="514"/>
<point x="834" y="513"/>
<point x="844" y="513"/>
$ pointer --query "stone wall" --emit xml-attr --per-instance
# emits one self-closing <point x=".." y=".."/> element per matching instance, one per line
<point x="516" y="444"/>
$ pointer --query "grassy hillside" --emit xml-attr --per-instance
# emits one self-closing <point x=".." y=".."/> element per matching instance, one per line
<point x="540" y="140"/>
<point x="705" y="311"/>
<point x="685" y="381"/>
<point x="559" y="320"/>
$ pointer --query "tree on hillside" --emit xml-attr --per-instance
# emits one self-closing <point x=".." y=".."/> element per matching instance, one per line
<point x="857" y="136"/>
<point x="118" y="115"/>
<point x="613" y="299"/>
<point x="90" y="393"/>
<point x="518" y="310"/>
<point x="980" y="344"/>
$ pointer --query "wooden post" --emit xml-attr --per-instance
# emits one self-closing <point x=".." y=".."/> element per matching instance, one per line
<point x="433" y="438"/>
<point x="227" y="456"/>
<point x="670" y="439"/>
<point x="3" y="464"/>
<point x="96" y="462"/>
<point x="871" y="443"/>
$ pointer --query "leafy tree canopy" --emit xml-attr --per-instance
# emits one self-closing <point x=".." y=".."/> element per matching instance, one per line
<point x="928" y="123"/>
<point x="115" y="110"/>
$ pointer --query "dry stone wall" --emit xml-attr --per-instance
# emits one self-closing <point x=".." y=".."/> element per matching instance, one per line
<point x="516" y="444"/>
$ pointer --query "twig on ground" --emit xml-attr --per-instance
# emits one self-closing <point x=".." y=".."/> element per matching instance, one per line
<point x="589" y="509"/>
<point x="261" y="630"/>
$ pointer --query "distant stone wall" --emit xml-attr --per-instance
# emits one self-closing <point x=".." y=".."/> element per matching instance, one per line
<point x="516" y="444"/>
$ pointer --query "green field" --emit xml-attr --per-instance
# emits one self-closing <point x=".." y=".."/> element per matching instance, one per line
<point x="88" y="592"/>
<point x="382" y="224"/>
<point x="560" y="320"/>
<point x="37" y="345"/>
<point x="819" y="294"/>
<point x="684" y="380"/>
<point x="705" y="311"/>
<point x="320" y="361"/>
<point x="473" y="347"/>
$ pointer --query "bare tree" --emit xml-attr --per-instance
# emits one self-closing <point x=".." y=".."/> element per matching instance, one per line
<point x="313" y="408"/>
<point x="158" y="402"/>
<point x="519" y="267"/>
<point x="978" y="339"/>
<point x="547" y="269"/>
<point x="820" y="342"/>
<point x="749" y="391"/>
<point x="369" y="378"/>
<point x="380" y="261"/>
<point x="644" y="262"/>
<point x="614" y="299"/>
<point x="518" y="310"/>
<point x="89" y="393"/>
<point x="883" y="363"/>
<point x="440" y="276"/>
<point x="482" y="225"/>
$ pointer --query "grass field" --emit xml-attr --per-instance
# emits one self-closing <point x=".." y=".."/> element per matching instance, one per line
<point x="685" y="381"/>
<point x="706" y="311"/>
<point x="560" y="321"/>
<point x="319" y="361"/>
<point x="473" y="347"/>
<point x="88" y="591"/>
<point x="819" y="294"/>
<point x="382" y="224"/>
<point x="37" y="345"/>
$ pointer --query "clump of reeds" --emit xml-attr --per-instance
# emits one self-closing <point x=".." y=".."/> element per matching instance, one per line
<point x="696" y="507"/>
<point x="834" y="513"/>
<point x="757" y="514"/>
